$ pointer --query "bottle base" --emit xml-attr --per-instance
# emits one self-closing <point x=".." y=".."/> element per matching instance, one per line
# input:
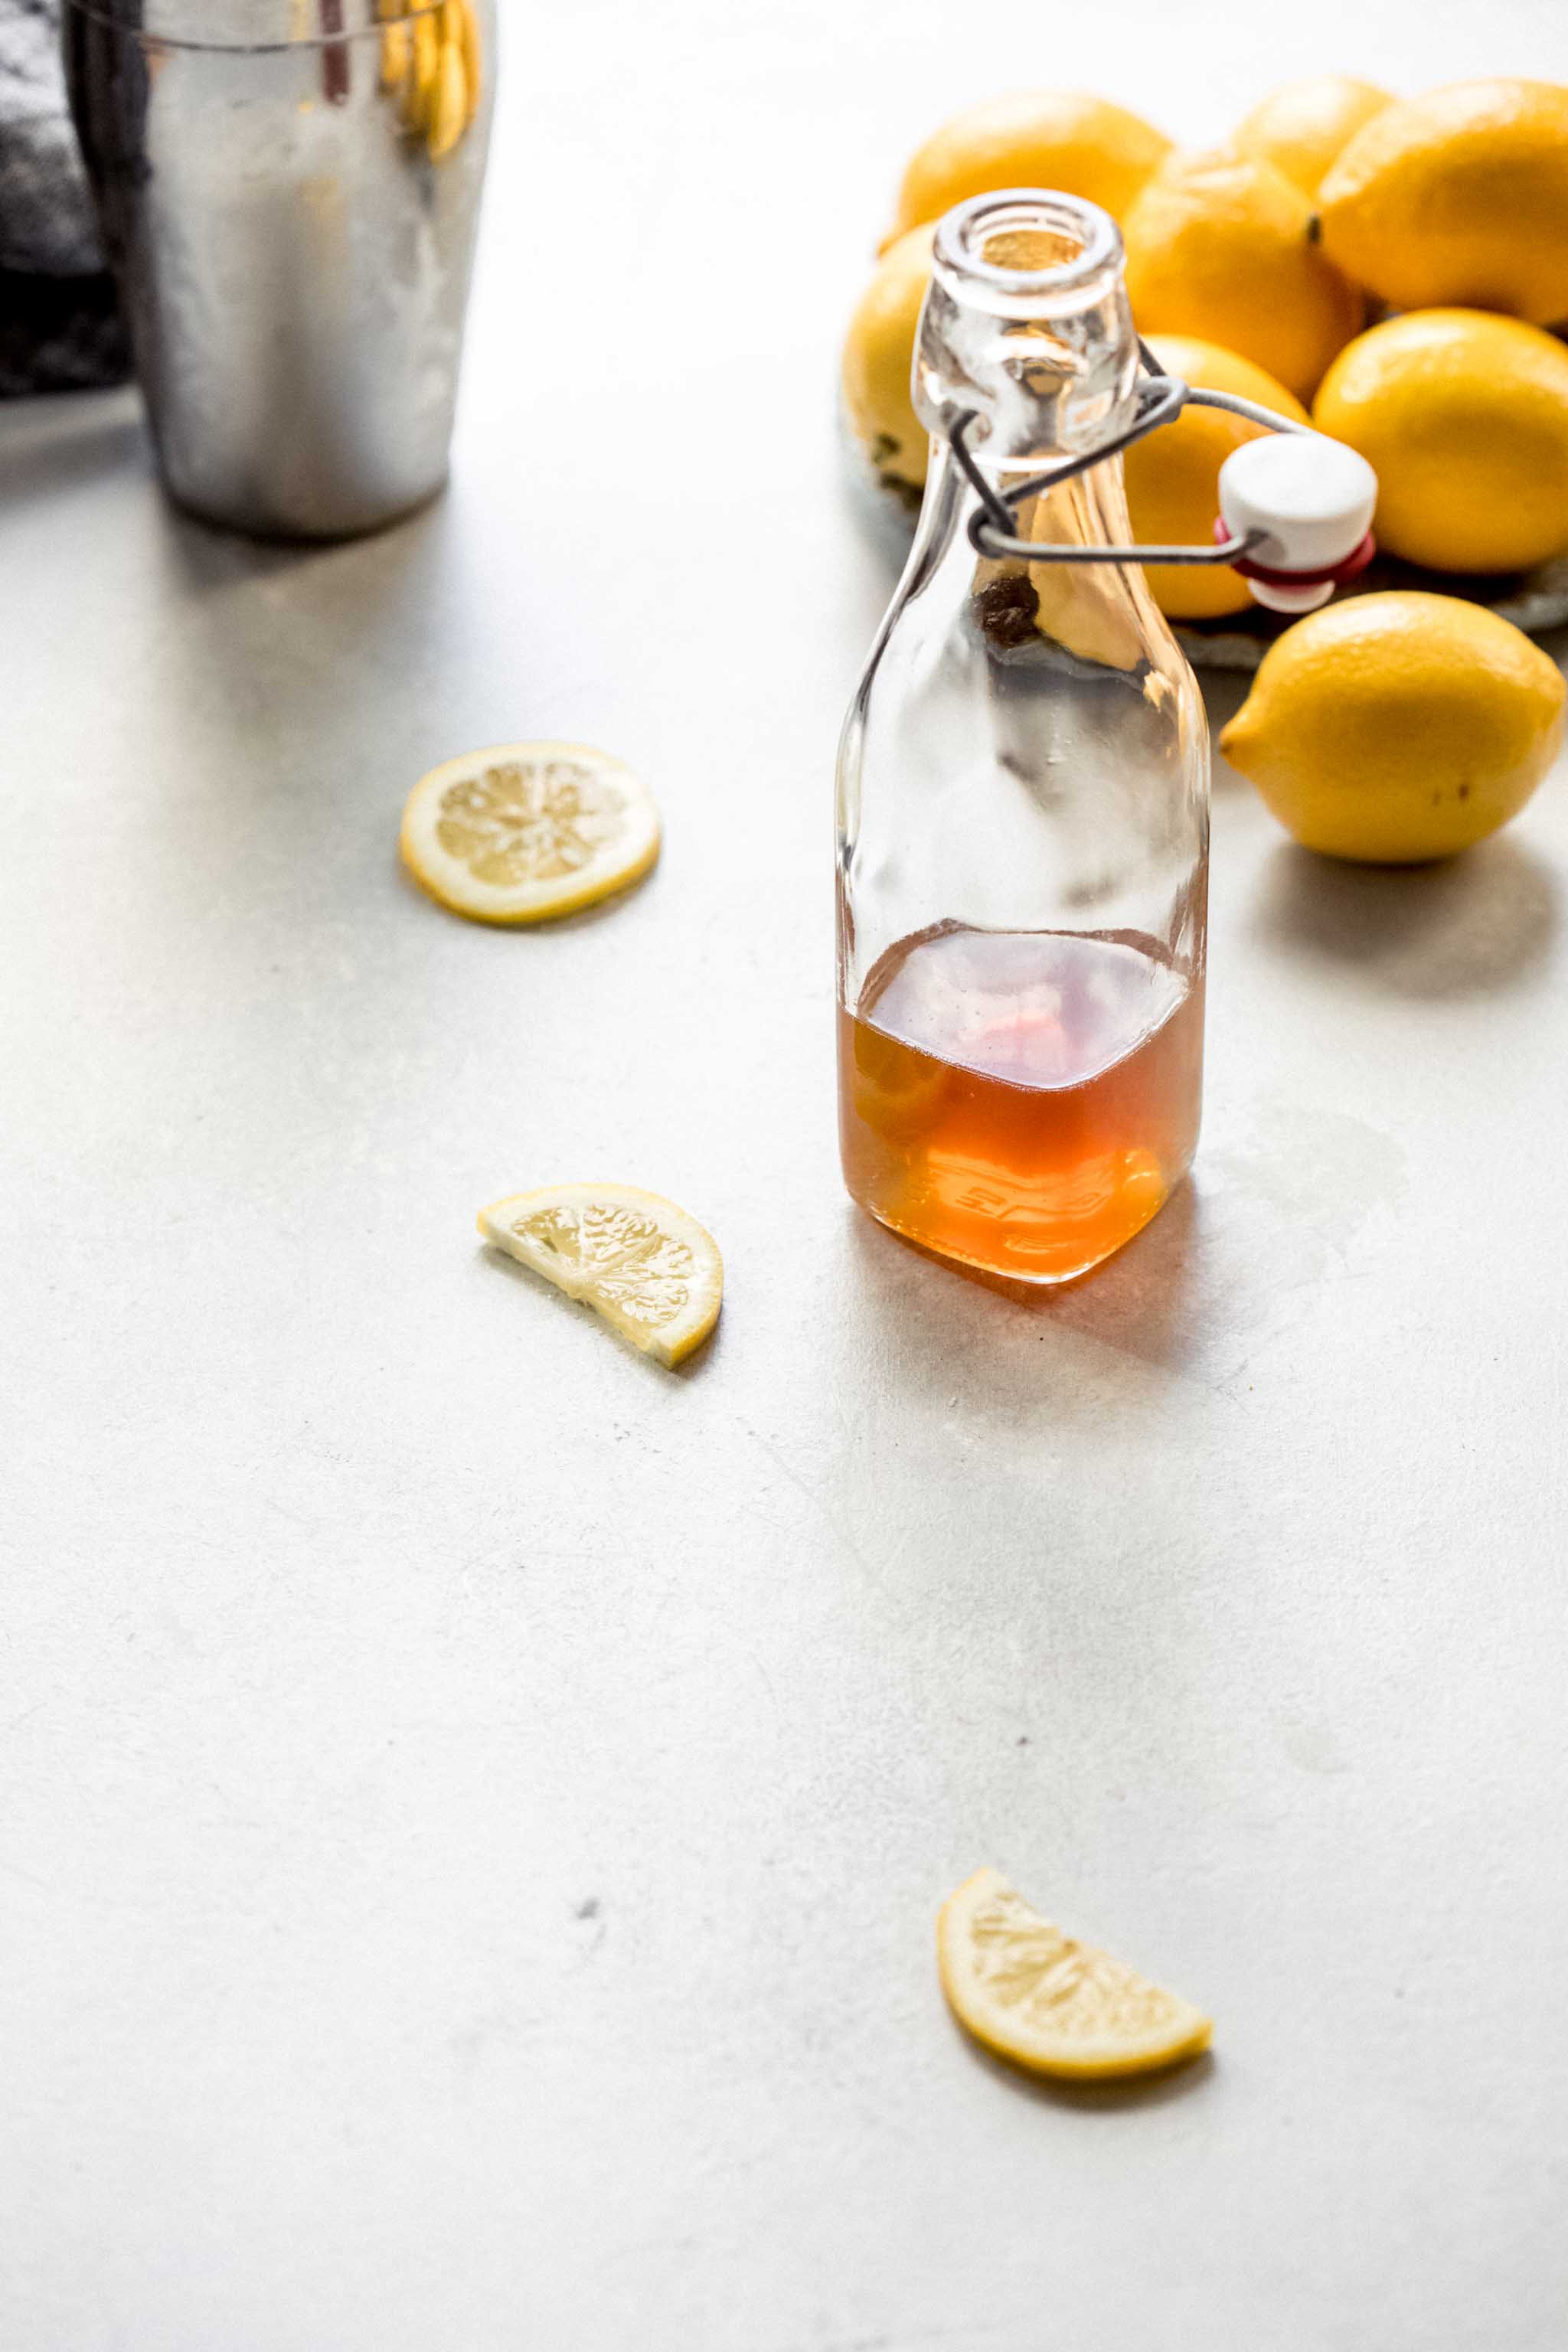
<point x="1043" y="1266"/>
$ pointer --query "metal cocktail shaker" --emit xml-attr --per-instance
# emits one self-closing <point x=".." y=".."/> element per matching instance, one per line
<point x="288" y="193"/>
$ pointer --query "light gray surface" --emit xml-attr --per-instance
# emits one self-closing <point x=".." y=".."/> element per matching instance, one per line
<point x="474" y="1804"/>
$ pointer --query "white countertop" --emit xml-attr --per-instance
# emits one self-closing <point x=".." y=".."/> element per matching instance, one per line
<point x="474" y="1804"/>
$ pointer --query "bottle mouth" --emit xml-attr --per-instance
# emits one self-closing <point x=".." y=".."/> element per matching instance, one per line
<point x="1028" y="244"/>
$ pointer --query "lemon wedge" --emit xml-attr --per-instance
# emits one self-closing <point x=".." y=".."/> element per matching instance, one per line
<point x="524" y="830"/>
<point x="638" y="1260"/>
<point x="1057" y="2007"/>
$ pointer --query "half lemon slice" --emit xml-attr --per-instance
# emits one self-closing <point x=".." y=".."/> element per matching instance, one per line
<point x="638" y="1260"/>
<point x="1057" y="2007"/>
<point x="525" y="831"/>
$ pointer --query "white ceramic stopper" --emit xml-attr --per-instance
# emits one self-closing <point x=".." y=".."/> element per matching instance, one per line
<point x="1312" y="496"/>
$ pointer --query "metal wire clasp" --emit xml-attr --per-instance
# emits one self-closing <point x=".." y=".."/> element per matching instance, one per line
<point x="1161" y="400"/>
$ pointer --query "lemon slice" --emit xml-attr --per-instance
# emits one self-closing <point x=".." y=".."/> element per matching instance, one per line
<point x="640" y="1262"/>
<point x="525" y="831"/>
<point x="1057" y="2007"/>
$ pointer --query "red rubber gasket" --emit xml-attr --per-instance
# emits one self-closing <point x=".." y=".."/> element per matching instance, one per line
<point x="1349" y="567"/>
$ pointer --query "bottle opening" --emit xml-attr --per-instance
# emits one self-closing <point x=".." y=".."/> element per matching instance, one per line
<point x="1029" y="241"/>
<point x="1025" y="326"/>
<point x="1027" y="252"/>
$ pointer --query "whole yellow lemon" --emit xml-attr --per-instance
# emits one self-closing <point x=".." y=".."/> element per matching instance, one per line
<point x="1172" y="474"/>
<point x="1301" y="128"/>
<point x="1463" y="416"/>
<point x="879" y="355"/>
<point x="1458" y="197"/>
<point x="1220" y="246"/>
<point x="1065" y="138"/>
<point x="1398" y="728"/>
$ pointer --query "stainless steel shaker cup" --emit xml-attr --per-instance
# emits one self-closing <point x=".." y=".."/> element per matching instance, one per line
<point x="288" y="193"/>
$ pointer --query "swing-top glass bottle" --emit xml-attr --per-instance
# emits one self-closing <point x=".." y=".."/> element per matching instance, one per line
<point x="1023" y="806"/>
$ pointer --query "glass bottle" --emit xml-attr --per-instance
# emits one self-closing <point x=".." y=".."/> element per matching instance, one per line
<point x="1023" y="798"/>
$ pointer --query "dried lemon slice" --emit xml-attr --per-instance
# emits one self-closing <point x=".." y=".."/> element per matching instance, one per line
<point x="1057" y="2007"/>
<point x="525" y="831"/>
<point x="640" y="1262"/>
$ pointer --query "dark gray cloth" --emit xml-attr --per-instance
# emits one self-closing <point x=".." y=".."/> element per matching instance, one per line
<point x="59" y="322"/>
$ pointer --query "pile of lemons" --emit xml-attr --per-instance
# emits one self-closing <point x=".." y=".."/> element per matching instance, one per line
<point x="1392" y="270"/>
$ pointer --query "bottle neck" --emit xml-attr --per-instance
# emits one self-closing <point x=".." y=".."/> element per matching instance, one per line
<point x="1089" y="509"/>
<point x="1101" y="614"/>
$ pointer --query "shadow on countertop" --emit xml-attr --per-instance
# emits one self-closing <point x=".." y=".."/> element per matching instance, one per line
<point x="1146" y="1301"/>
<point x="1109" y="2096"/>
<point x="1476" y="925"/>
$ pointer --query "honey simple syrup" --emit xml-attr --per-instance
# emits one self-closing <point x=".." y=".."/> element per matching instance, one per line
<point x="1023" y="1101"/>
